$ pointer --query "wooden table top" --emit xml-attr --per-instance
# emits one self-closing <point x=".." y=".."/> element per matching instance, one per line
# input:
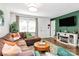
<point x="37" y="44"/>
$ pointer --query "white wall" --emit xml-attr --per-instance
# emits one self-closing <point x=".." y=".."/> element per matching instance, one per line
<point x="12" y="18"/>
<point x="53" y="28"/>
<point x="5" y="28"/>
<point x="43" y="30"/>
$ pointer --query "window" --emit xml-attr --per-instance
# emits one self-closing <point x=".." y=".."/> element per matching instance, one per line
<point x="27" y="24"/>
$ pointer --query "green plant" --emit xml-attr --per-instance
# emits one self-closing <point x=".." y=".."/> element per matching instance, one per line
<point x="13" y="27"/>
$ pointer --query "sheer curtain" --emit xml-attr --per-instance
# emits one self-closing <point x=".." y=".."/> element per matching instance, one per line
<point x="27" y="25"/>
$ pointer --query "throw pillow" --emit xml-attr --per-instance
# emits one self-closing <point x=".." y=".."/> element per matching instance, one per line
<point x="12" y="36"/>
<point x="15" y="36"/>
<point x="29" y="35"/>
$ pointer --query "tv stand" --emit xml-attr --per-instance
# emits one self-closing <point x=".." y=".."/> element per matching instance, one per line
<point x="68" y="38"/>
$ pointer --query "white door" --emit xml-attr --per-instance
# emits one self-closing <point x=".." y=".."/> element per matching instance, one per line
<point x="43" y="30"/>
<point x="52" y="28"/>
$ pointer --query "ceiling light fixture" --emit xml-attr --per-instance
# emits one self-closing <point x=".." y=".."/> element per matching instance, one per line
<point x="32" y="7"/>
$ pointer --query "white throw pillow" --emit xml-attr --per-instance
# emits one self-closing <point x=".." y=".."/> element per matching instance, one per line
<point x="9" y="50"/>
<point x="16" y="38"/>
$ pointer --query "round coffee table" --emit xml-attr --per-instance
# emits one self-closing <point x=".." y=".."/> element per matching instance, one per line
<point x="42" y="47"/>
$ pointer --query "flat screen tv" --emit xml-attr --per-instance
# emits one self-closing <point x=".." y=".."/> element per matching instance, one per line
<point x="69" y="21"/>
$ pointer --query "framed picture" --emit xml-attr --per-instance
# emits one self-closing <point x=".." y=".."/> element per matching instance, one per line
<point x="1" y="18"/>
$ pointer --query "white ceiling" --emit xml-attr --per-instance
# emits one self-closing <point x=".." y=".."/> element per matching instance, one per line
<point x="46" y="9"/>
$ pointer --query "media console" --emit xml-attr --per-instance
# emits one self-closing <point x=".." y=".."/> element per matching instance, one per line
<point x="68" y="38"/>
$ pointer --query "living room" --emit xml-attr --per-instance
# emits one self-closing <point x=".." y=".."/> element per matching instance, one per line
<point x="39" y="31"/>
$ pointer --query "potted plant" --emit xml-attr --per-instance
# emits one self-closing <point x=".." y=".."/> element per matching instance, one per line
<point x="13" y="27"/>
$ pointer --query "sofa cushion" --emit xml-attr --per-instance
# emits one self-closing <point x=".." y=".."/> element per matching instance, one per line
<point x="26" y="53"/>
<point x="9" y="50"/>
<point x="21" y="42"/>
<point x="22" y="35"/>
<point x="63" y="52"/>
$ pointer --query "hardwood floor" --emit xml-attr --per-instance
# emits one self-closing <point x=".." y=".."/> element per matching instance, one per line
<point x="66" y="46"/>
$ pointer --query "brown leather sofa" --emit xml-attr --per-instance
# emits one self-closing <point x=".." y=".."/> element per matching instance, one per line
<point x="24" y="45"/>
<point x="1" y="46"/>
<point x="29" y="41"/>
